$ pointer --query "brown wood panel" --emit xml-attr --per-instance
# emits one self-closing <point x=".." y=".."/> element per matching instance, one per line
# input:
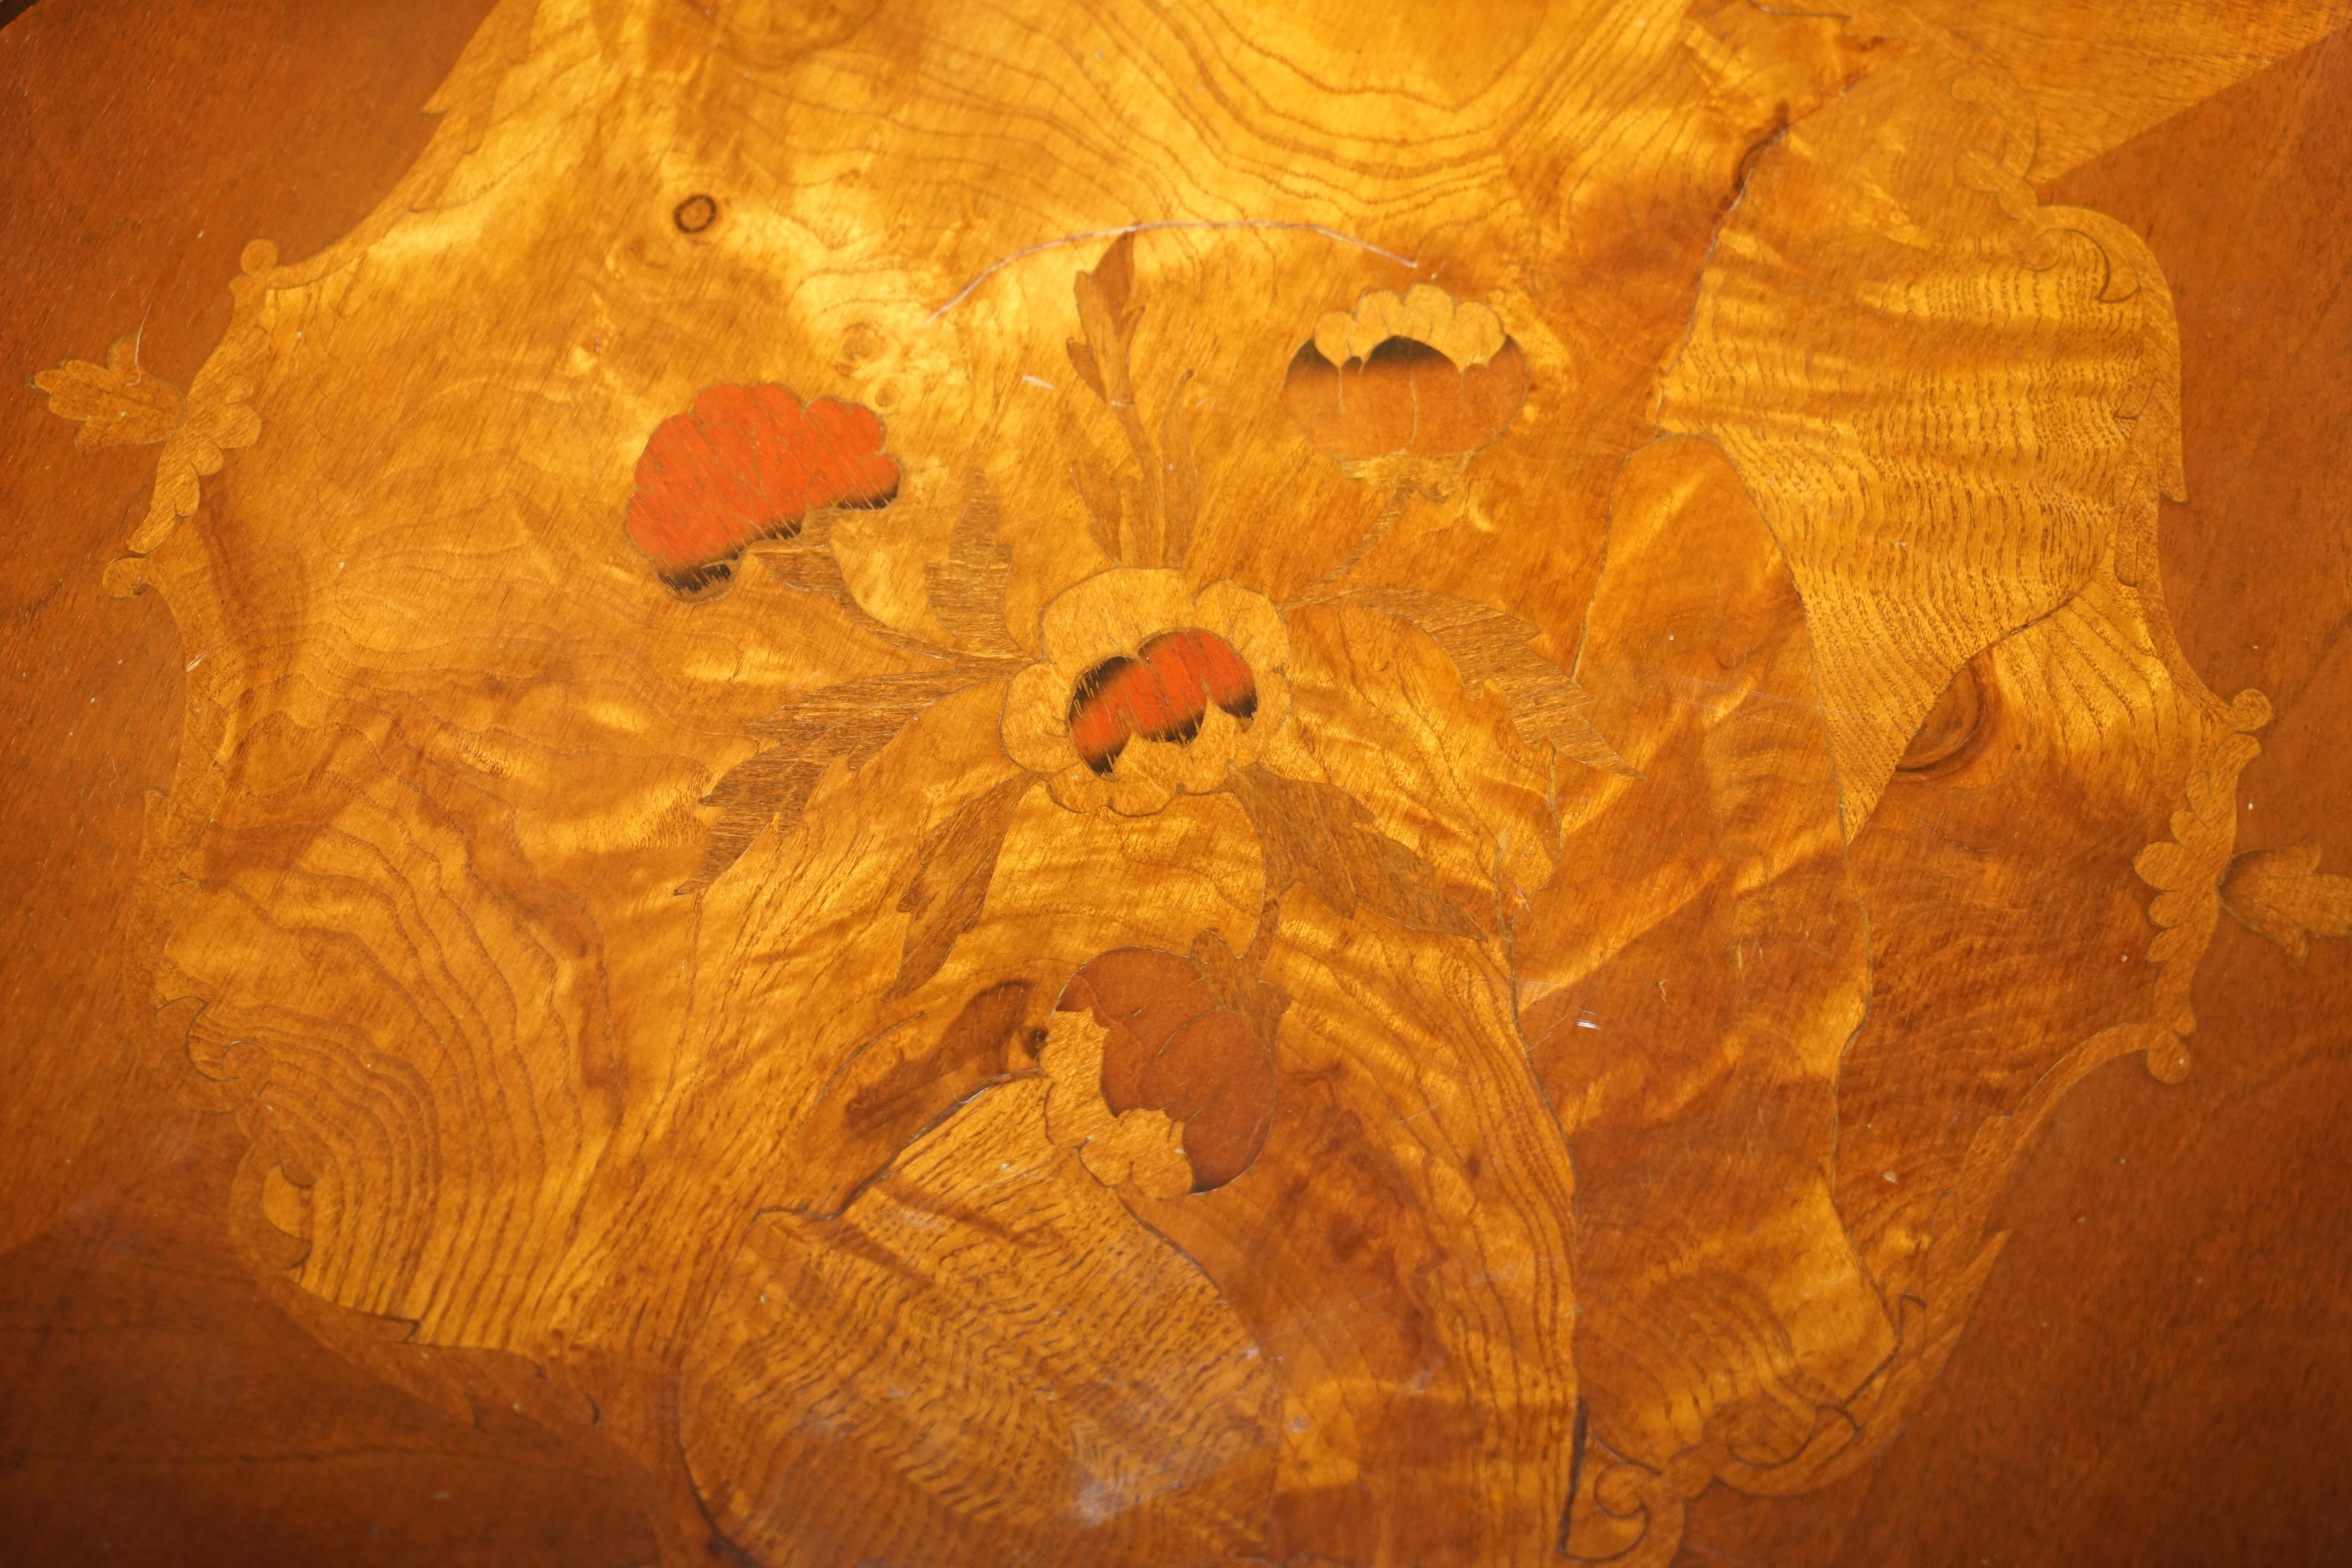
<point x="2151" y="1376"/>
<point x="157" y="1407"/>
<point x="1132" y="784"/>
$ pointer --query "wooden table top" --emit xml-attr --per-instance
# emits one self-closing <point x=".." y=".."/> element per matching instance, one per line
<point x="858" y="781"/>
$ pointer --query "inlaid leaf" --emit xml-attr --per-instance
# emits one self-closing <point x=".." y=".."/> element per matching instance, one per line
<point x="1108" y="319"/>
<point x="967" y="590"/>
<point x="950" y="883"/>
<point x="806" y="562"/>
<point x="856" y="718"/>
<point x="1491" y="647"/>
<point x="852" y="720"/>
<point x="1180" y="490"/>
<point x="2282" y="894"/>
<point x="117" y="403"/>
<point x="1318" y="835"/>
<point x="1233" y="979"/>
<point x="1105" y="510"/>
<point x="1082" y="359"/>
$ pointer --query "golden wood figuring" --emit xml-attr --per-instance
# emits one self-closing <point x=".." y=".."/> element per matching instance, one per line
<point x="1164" y="785"/>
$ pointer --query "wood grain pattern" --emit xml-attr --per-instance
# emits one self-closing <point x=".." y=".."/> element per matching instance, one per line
<point x="1147" y="784"/>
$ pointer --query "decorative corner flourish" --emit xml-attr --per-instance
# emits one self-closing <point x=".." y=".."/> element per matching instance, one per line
<point x="2284" y="895"/>
<point x="118" y="404"/>
<point x="2186" y="870"/>
<point x="122" y="404"/>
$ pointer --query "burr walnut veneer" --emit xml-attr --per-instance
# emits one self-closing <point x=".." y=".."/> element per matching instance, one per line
<point x="1018" y="782"/>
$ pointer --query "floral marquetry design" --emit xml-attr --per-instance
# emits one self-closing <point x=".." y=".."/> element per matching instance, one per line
<point x="1148" y="690"/>
<point x="749" y="463"/>
<point x="1151" y="814"/>
<point x="1403" y="390"/>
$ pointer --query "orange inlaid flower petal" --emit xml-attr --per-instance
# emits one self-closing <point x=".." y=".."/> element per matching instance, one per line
<point x="749" y="463"/>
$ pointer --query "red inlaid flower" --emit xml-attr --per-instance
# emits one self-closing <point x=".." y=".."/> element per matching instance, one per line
<point x="1148" y="690"/>
<point x="1163" y="694"/>
<point x="748" y="463"/>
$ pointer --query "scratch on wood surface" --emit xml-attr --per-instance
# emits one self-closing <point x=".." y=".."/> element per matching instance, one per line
<point x="1088" y="236"/>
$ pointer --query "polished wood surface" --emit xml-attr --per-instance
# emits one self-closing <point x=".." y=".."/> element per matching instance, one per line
<point x="879" y="782"/>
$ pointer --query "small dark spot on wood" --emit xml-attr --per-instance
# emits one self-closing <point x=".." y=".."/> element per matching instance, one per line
<point x="694" y="214"/>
